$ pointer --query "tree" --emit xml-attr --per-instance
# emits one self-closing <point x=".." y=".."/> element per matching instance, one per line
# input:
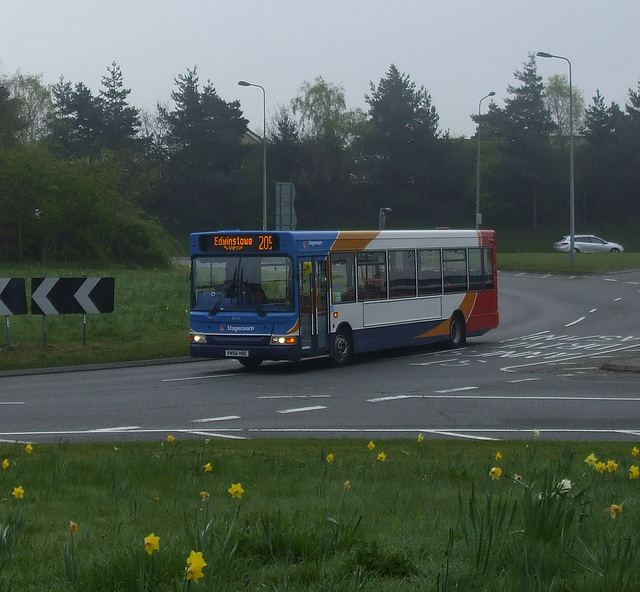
<point x="525" y="125"/>
<point x="34" y="99"/>
<point x="121" y="122"/>
<point x="557" y="101"/>
<point x="205" y="155"/>
<point x="11" y="121"/>
<point x="403" y="128"/>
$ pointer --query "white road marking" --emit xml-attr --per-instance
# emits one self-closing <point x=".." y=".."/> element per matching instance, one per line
<point x="575" y="322"/>
<point x="457" y="390"/>
<point x="507" y="398"/>
<point x="11" y="402"/>
<point x="523" y="380"/>
<point x="198" y="377"/>
<point x="301" y="409"/>
<point x="209" y="419"/>
<point x="294" y="397"/>
<point x="114" y="429"/>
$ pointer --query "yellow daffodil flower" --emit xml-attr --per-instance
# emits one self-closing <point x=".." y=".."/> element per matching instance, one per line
<point x="371" y="445"/>
<point x="195" y="564"/>
<point x="601" y="467"/>
<point x="635" y="451"/>
<point x="208" y="468"/>
<point x="613" y="510"/>
<point x="591" y="460"/>
<point x="151" y="543"/>
<point x="346" y="484"/>
<point x="499" y="456"/>
<point x="382" y="457"/>
<point x="171" y="438"/>
<point x="495" y="473"/>
<point x="420" y="437"/>
<point x="330" y="457"/>
<point x="204" y="496"/>
<point x="612" y="466"/>
<point x="18" y="492"/>
<point x="207" y="440"/>
<point x="29" y="448"/>
<point x="634" y="472"/>
<point x="236" y="490"/>
<point x="73" y="527"/>
<point x="5" y="464"/>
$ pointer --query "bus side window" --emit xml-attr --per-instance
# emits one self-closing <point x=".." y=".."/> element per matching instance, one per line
<point x="402" y="274"/>
<point x="343" y="287"/>
<point x="372" y="275"/>
<point x="455" y="270"/>
<point x="429" y="272"/>
<point x="475" y="269"/>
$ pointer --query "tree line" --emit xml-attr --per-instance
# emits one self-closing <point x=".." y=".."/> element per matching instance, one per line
<point x="89" y="177"/>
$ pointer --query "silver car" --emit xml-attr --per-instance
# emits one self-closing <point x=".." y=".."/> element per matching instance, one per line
<point x="587" y="243"/>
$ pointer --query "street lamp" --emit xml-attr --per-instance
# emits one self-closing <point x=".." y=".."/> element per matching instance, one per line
<point x="382" y="218"/>
<point x="478" y="217"/>
<point x="264" y="150"/>
<point x="572" y="215"/>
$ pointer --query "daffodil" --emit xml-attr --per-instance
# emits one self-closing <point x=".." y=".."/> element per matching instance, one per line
<point x="207" y="440"/>
<point x="236" y="490"/>
<point x="536" y="433"/>
<point x="634" y="472"/>
<point x="29" y="448"/>
<point x="171" y="438"/>
<point x="612" y="466"/>
<point x="204" y="496"/>
<point x="346" y="484"/>
<point x="564" y="486"/>
<point x="330" y="457"/>
<point x="635" y="451"/>
<point x="208" y="467"/>
<point x="601" y="467"/>
<point x="18" y="492"/>
<point x="151" y="543"/>
<point x="591" y="460"/>
<point x="73" y="527"/>
<point x="499" y="456"/>
<point x="371" y="445"/>
<point x="613" y="510"/>
<point x="195" y="564"/>
<point x="5" y="464"/>
<point x="495" y="473"/>
<point x="420" y="437"/>
<point x="382" y="457"/>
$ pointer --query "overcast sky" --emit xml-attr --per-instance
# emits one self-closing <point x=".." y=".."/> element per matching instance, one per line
<point x="458" y="50"/>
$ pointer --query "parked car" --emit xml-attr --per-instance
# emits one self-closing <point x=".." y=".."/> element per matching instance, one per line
<point x="587" y="243"/>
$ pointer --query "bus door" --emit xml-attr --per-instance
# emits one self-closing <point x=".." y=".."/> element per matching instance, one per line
<point x="313" y="305"/>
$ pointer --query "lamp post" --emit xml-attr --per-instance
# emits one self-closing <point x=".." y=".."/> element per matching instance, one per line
<point x="264" y="150"/>
<point x="382" y="218"/>
<point x="572" y="215"/>
<point x="478" y="219"/>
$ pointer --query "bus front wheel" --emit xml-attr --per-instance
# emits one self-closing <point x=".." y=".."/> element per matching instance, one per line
<point x="342" y="348"/>
<point x="457" y="331"/>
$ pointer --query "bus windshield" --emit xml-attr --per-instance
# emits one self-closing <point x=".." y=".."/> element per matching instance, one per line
<point x="242" y="283"/>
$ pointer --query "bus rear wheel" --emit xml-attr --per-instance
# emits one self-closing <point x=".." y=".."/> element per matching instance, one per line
<point x="342" y="350"/>
<point x="457" y="331"/>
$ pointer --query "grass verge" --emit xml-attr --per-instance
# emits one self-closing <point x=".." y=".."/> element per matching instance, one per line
<point x="320" y="515"/>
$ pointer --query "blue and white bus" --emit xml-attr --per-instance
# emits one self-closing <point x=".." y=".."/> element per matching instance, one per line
<point x="266" y="295"/>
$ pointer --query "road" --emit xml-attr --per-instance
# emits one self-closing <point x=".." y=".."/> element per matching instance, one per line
<point x="538" y="375"/>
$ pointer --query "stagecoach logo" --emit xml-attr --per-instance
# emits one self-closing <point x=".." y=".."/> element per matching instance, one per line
<point x="316" y="243"/>
<point x="232" y="329"/>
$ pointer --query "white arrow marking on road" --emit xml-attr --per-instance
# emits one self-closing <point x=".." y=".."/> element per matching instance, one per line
<point x="41" y="293"/>
<point x="82" y="295"/>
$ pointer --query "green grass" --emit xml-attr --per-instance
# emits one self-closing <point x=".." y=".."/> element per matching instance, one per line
<point x="427" y="518"/>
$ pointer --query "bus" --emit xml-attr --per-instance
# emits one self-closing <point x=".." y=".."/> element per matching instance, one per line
<point x="290" y="295"/>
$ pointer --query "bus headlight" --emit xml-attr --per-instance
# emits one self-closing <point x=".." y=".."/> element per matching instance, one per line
<point x="198" y="338"/>
<point x="284" y="339"/>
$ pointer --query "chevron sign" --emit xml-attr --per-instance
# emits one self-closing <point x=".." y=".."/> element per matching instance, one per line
<point x="13" y="296"/>
<point x="51" y="296"/>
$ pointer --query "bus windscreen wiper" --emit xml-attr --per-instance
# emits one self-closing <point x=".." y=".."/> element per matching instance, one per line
<point x="226" y="293"/>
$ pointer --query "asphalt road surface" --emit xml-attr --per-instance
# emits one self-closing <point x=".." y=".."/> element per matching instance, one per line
<point x="539" y="375"/>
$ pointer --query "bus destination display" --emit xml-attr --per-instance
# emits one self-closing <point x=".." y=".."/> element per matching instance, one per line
<point x="239" y="242"/>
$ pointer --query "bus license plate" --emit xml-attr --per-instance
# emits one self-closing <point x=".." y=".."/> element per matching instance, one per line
<point x="236" y="353"/>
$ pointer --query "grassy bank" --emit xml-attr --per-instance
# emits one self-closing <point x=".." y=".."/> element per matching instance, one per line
<point x="150" y="319"/>
<point x="320" y="515"/>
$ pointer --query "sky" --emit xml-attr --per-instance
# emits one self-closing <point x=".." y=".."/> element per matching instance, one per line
<point x="458" y="50"/>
